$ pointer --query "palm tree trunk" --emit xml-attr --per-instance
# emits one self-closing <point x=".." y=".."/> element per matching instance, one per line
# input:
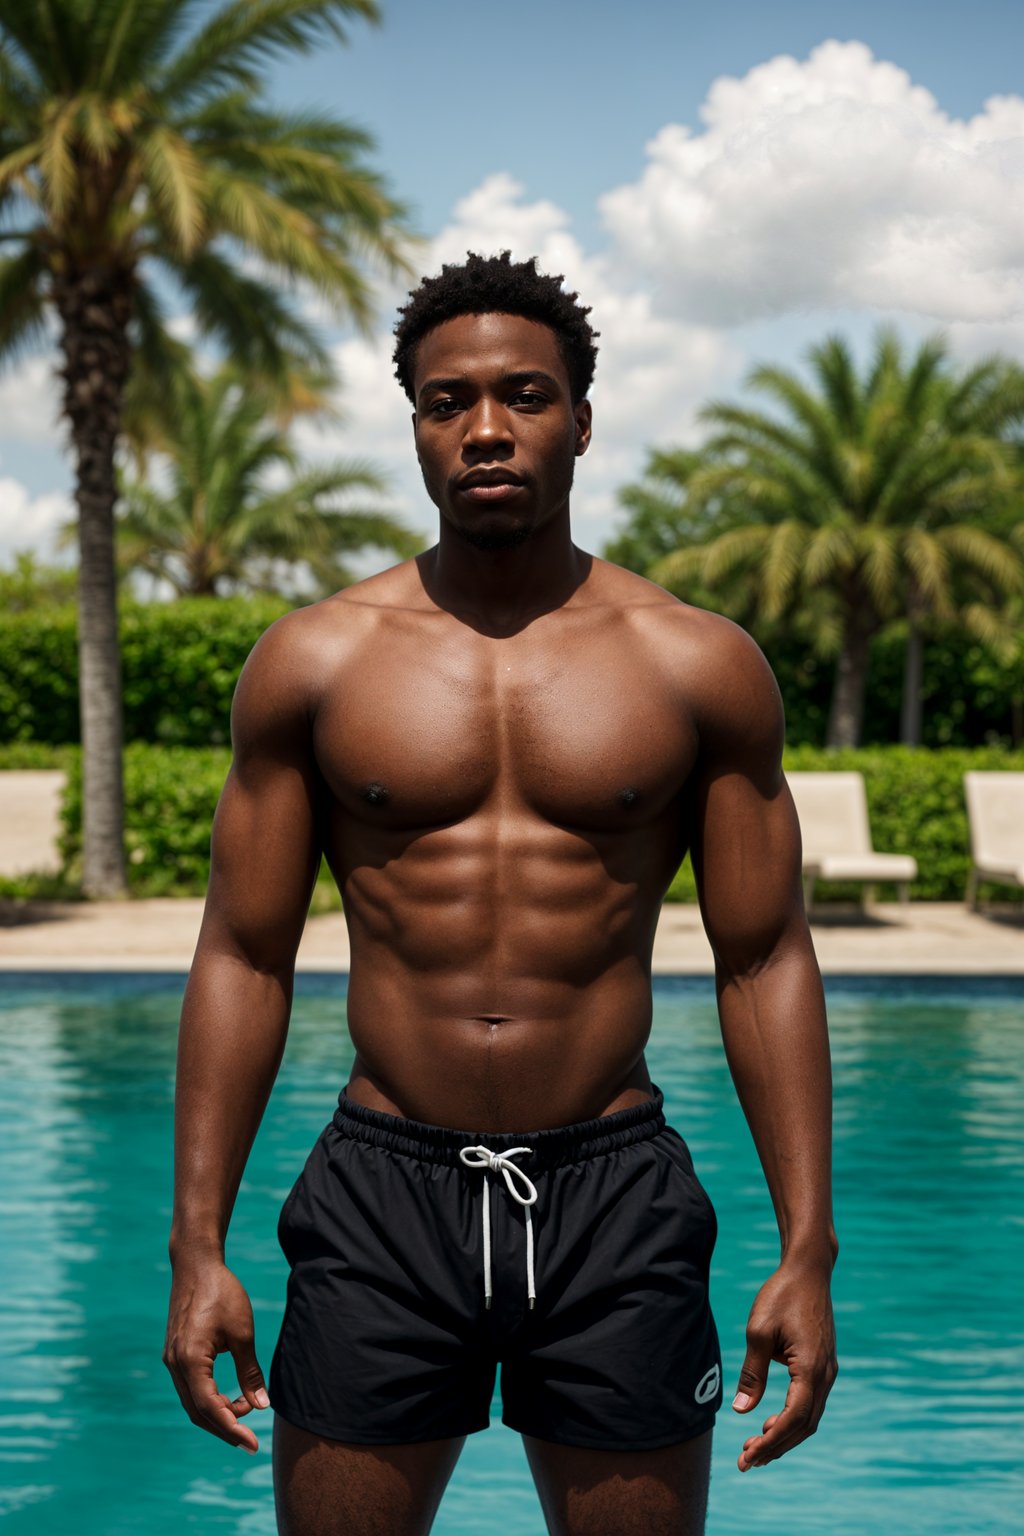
<point x="913" y="677"/>
<point x="95" y="309"/>
<point x="846" y="715"/>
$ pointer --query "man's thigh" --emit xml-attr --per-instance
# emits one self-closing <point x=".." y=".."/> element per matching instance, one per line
<point x="329" y="1488"/>
<point x="619" y="1493"/>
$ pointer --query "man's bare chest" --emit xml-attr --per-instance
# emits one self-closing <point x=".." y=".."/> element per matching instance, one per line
<point x="587" y="738"/>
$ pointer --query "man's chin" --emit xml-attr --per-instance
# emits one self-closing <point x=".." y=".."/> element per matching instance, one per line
<point x="510" y="537"/>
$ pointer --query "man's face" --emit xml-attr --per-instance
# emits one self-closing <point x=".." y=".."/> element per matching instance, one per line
<point x="497" y="434"/>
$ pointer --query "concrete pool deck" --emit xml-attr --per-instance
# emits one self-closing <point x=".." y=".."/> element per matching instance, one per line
<point x="923" y="938"/>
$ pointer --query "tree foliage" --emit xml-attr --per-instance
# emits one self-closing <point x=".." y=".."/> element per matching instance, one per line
<point x="852" y="501"/>
<point x="229" y="505"/>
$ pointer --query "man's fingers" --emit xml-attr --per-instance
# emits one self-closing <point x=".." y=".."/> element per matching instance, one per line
<point x="216" y="1414"/>
<point x="782" y="1431"/>
<point x="250" y="1377"/>
<point x="210" y="1409"/>
<point x="754" y="1373"/>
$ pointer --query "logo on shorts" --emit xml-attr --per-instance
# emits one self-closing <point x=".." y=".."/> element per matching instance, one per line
<point x="708" y="1385"/>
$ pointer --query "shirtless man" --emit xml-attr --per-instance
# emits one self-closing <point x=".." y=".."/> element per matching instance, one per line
<point x="503" y="748"/>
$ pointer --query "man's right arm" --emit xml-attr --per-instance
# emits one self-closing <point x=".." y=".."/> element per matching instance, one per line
<point x="264" y="860"/>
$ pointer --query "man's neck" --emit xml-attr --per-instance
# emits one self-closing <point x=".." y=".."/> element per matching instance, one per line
<point x="499" y="591"/>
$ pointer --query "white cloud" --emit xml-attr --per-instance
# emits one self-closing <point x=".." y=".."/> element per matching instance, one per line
<point x="30" y="523"/>
<point x="834" y="182"/>
<point x="30" y="401"/>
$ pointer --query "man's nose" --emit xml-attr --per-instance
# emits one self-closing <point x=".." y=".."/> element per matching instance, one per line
<point x="487" y="427"/>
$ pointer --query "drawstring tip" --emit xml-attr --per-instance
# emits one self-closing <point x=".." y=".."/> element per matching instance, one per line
<point x="531" y="1302"/>
<point x="487" y="1303"/>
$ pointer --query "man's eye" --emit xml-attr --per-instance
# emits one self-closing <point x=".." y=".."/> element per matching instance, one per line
<point x="528" y="397"/>
<point x="444" y="407"/>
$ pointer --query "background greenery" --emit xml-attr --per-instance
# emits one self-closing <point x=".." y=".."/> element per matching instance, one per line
<point x="182" y="659"/>
<point x="181" y="662"/>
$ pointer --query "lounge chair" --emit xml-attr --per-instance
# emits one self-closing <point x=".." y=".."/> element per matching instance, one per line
<point x="833" y="812"/>
<point x="995" y="813"/>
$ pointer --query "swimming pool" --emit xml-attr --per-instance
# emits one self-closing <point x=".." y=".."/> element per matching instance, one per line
<point x="925" y="1426"/>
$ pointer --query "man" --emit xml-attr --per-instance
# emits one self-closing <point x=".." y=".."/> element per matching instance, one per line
<point x="503" y="748"/>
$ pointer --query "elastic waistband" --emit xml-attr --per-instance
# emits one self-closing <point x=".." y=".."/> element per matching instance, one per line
<point x="552" y="1148"/>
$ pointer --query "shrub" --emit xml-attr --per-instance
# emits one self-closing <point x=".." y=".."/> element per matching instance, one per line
<point x="180" y="663"/>
<point x="170" y="796"/>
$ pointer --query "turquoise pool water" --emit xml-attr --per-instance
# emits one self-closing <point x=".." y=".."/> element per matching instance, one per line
<point x="924" y="1430"/>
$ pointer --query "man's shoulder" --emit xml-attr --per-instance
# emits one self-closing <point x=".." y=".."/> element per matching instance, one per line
<point x="298" y="659"/>
<point x="716" y="669"/>
<point x="324" y="633"/>
<point x="683" y="633"/>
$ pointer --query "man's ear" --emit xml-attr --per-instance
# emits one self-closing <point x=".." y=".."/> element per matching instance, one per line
<point x="583" y="415"/>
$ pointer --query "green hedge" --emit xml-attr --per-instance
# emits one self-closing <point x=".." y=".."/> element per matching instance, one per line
<point x="915" y="804"/>
<point x="25" y="755"/>
<point x="170" y="796"/>
<point x="180" y="663"/>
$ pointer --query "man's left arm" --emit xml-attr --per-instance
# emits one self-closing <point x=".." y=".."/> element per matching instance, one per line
<point x="745" y="845"/>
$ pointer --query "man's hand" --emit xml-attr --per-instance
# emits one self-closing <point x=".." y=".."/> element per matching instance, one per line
<point x="790" y="1321"/>
<point x="210" y="1313"/>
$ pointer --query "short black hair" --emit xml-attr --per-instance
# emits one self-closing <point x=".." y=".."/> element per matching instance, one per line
<point x="484" y="285"/>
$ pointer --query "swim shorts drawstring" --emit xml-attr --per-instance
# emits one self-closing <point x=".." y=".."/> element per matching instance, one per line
<point x="498" y="1162"/>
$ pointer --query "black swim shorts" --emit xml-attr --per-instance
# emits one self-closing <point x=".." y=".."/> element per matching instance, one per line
<point x="421" y="1258"/>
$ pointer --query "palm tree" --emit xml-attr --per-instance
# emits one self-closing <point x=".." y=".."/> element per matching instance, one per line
<point x="236" y="507"/>
<point x="859" y="502"/>
<point x="139" y="164"/>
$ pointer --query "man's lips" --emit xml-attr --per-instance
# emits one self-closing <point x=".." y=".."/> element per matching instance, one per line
<point x="498" y="490"/>
<point x="490" y="487"/>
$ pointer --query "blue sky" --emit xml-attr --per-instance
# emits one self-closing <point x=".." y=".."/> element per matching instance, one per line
<point x="724" y="184"/>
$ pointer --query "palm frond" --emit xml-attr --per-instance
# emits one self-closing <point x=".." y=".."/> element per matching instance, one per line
<point x="237" y="42"/>
<point x="991" y="557"/>
<point x="832" y="361"/>
<point x="928" y="566"/>
<point x="132" y="37"/>
<point x="679" y="571"/>
<point x="993" y="629"/>
<point x="924" y="372"/>
<point x="57" y="158"/>
<point x="250" y="318"/>
<point x="782" y="567"/>
<point x="830" y="553"/>
<point x="886" y="363"/>
<point x="811" y="413"/>
<point x="177" y="180"/>
<point x="96" y="128"/>
<point x="16" y="162"/>
<point x="43" y="40"/>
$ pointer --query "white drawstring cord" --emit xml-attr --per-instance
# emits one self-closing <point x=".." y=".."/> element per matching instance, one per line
<point x="498" y="1162"/>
